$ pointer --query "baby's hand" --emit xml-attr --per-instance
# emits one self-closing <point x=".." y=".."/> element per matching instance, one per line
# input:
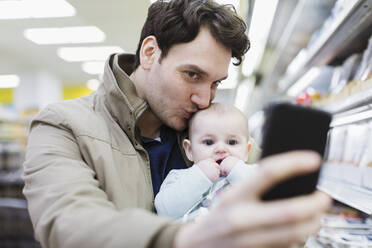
<point x="227" y="164"/>
<point x="210" y="169"/>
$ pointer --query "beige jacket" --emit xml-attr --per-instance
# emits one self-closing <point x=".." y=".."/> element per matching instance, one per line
<point x="87" y="177"/>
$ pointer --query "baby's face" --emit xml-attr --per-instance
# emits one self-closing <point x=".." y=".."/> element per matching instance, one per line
<point x="217" y="137"/>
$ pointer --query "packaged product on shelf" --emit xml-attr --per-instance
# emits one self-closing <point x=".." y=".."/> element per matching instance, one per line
<point x="11" y="155"/>
<point x="304" y="98"/>
<point x="356" y="140"/>
<point x="345" y="238"/>
<point x="336" y="144"/>
<point x="346" y="222"/>
<point x="2" y="162"/>
<point x="353" y="76"/>
<point x="341" y="231"/>
<point x="335" y="151"/>
<point x="343" y="227"/>
<point x="344" y="74"/>
<point x="364" y="71"/>
<point x="318" y="81"/>
<point x="339" y="6"/>
<point x="11" y="184"/>
<point x="366" y="161"/>
<point x="336" y="10"/>
<point x="16" y="226"/>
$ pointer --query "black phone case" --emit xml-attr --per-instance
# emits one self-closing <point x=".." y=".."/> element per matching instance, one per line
<point x="291" y="127"/>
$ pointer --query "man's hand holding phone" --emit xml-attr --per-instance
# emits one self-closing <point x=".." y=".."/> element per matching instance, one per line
<point x="241" y="219"/>
<point x="291" y="127"/>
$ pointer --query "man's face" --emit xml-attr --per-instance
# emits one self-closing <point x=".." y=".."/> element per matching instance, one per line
<point x="186" y="79"/>
<point x="217" y="136"/>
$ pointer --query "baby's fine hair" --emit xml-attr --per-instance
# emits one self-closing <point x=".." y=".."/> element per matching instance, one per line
<point x="220" y="108"/>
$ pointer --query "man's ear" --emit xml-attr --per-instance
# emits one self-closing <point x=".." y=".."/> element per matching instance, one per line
<point x="148" y="52"/>
<point x="187" y="147"/>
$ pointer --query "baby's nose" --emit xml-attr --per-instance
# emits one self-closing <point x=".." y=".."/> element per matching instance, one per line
<point x="220" y="148"/>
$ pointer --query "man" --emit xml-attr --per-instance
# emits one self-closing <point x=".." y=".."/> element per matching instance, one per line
<point x="93" y="165"/>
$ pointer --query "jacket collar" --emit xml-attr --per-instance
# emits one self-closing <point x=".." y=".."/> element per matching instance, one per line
<point x="121" y="98"/>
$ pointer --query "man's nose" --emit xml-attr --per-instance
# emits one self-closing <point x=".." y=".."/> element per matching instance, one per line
<point x="202" y="96"/>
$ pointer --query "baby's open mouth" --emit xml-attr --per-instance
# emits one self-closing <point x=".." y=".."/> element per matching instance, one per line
<point x="218" y="161"/>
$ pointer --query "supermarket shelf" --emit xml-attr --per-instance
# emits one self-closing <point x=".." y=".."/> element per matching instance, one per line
<point x="360" y="98"/>
<point x="7" y="202"/>
<point x="353" y="116"/>
<point x="11" y="130"/>
<point x="14" y="121"/>
<point x="347" y="189"/>
<point x="350" y="195"/>
<point x="350" y="23"/>
<point x="13" y="177"/>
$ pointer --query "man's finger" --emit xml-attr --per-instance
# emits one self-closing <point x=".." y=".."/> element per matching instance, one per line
<point x="284" y="236"/>
<point x="271" y="171"/>
<point x="278" y="168"/>
<point x="276" y="213"/>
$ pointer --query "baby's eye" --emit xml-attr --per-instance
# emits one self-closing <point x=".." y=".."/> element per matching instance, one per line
<point x="208" y="142"/>
<point x="232" y="142"/>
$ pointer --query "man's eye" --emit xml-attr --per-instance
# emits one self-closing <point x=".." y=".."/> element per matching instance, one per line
<point x="232" y="142"/>
<point x="217" y="83"/>
<point x="192" y="75"/>
<point x="208" y="142"/>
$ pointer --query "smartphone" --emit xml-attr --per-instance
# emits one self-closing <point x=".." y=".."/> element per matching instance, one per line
<point x="290" y="127"/>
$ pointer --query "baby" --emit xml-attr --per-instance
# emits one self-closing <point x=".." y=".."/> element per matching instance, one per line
<point x="219" y="145"/>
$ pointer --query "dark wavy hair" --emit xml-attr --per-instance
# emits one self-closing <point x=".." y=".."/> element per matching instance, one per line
<point x="178" y="21"/>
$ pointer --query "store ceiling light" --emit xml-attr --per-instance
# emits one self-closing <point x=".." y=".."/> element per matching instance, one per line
<point x="304" y="81"/>
<point x="22" y="9"/>
<point x="65" y="35"/>
<point x="262" y="18"/>
<point x="243" y="93"/>
<point x="93" y="84"/>
<point x="93" y="67"/>
<point x="77" y="54"/>
<point x="9" y="81"/>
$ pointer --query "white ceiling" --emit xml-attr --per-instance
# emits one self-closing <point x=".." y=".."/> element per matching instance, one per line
<point x="120" y="20"/>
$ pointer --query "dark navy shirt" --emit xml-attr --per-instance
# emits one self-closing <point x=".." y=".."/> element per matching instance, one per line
<point x="165" y="155"/>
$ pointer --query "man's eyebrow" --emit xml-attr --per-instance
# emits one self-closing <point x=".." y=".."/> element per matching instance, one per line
<point x="222" y="78"/>
<point x="198" y="70"/>
<point x="194" y="68"/>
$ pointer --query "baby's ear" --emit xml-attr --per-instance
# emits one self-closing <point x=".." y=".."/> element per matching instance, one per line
<point x="249" y="147"/>
<point x="187" y="147"/>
